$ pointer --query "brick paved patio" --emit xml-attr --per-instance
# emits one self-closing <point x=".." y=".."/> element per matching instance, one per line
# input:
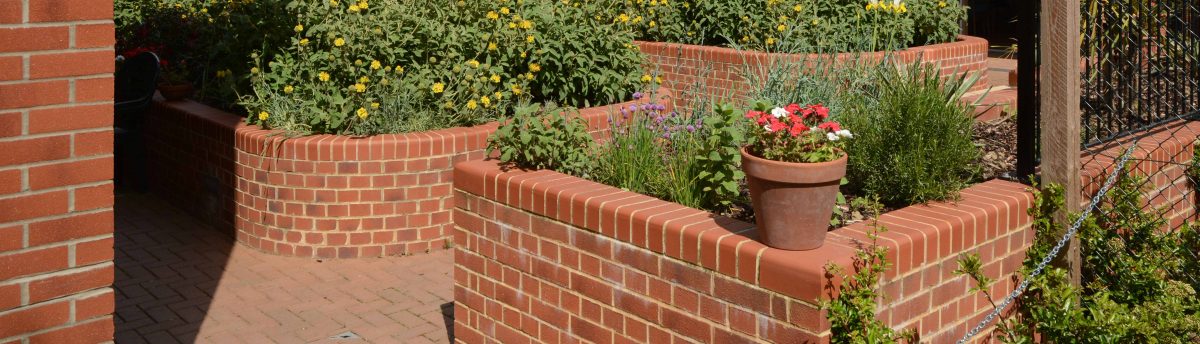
<point x="178" y="281"/>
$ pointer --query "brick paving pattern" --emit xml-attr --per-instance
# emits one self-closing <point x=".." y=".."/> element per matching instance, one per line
<point x="178" y="281"/>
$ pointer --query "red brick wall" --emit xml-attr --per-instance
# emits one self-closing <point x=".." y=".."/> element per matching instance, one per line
<point x="56" y="163"/>
<point x="719" y="70"/>
<point x="319" y="196"/>
<point x="544" y="257"/>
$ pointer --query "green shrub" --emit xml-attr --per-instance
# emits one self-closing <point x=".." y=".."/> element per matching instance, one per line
<point x="213" y="37"/>
<point x="407" y="65"/>
<point x="690" y="158"/>
<point x="1139" y="281"/>
<point x="852" y="312"/>
<point x="787" y="25"/>
<point x="539" y="137"/>
<point x="912" y="136"/>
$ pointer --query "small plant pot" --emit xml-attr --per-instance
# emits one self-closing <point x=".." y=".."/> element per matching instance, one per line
<point x="175" y="92"/>
<point x="793" y="202"/>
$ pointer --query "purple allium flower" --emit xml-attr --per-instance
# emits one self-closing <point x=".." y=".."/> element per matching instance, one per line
<point x="691" y="128"/>
<point x="633" y="108"/>
<point x="645" y="107"/>
<point x="666" y="135"/>
<point x="660" y="107"/>
<point x="638" y="95"/>
<point x="660" y="119"/>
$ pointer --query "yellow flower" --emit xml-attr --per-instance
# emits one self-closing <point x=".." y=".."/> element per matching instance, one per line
<point x="658" y="79"/>
<point x="339" y="42"/>
<point x="492" y="15"/>
<point x="485" y="101"/>
<point x="376" y="65"/>
<point x="495" y="78"/>
<point x="798" y="8"/>
<point x="303" y="41"/>
<point x="364" y="80"/>
<point x="529" y="38"/>
<point x="333" y="2"/>
<point x="529" y="76"/>
<point x="323" y="76"/>
<point x="288" y="89"/>
<point x="471" y="104"/>
<point x="816" y="21"/>
<point x="399" y="69"/>
<point x="384" y="82"/>
<point x="652" y="24"/>
<point x="781" y="27"/>
<point x="492" y="46"/>
<point x="374" y="105"/>
<point x="512" y="25"/>
<point x="362" y="113"/>
<point x="360" y="88"/>
<point x="533" y="67"/>
<point x="299" y="27"/>
<point x="353" y="9"/>
<point x="504" y="10"/>
<point x="525" y="24"/>
<point x="220" y="74"/>
<point x="473" y="63"/>
<point x="516" y="89"/>
<point x="499" y="95"/>
<point x="362" y="4"/>
<point x="770" y="41"/>
<point x="902" y="8"/>
<point x="262" y="116"/>
<point x="253" y="70"/>
<point x="523" y="54"/>
<point x="624" y="18"/>
<point x="941" y="4"/>
<point x="438" y="88"/>
<point x="449" y="104"/>
<point x="646" y="78"/>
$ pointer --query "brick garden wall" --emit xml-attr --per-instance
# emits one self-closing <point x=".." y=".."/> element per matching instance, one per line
<point x="319" y="196"/>
<point x="545" y="257"/>
<point x="720" y="70"/>
<point x="56" y="163"/>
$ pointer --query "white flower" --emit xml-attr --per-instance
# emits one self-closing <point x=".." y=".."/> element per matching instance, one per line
<point x="896" y="3"/>
<point x="768" y="128"/>
<point x="845" y="133"/>
<point x="779" y="112"/>
<point x="832" y="136"/>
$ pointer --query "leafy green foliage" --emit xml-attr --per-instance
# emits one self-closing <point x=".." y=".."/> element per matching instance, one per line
<point x="691" y="159"/>
<point x="912" y="137"/>
<point x="852" y="312"/>
<point x="1139" y="279"/>
<point x="790" y="25"/>
<point x="539" y="137"/>
<point x="211" y="37"/>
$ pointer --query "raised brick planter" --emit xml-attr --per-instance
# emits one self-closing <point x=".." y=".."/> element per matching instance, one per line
<point x="546" y="257"/>
<point x="321" y="196"/>
<point x="722" y="68"/>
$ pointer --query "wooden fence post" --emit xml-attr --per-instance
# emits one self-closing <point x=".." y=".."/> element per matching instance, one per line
<point x="1060" y="113"/>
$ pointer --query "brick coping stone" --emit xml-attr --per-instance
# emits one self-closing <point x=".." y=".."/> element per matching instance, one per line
<point x="679" y="63"/>
<point x="332" y="196"/>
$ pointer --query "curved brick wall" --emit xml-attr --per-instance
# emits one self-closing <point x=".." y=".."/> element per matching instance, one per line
<point x="719" y="70"/>
<point x="322" y="196"/>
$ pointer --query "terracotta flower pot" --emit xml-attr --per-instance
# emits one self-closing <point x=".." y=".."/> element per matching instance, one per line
<point x="175" y="92"/>
<point x="793" y="202"/>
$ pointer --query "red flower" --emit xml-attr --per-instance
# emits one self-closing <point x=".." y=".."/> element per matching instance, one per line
<point x="776" y="125"/>
<point x="792" y="108"/>
<point x="797" y="129"/>
<point x="830" y="126"/>
<point x="821" y="110"/>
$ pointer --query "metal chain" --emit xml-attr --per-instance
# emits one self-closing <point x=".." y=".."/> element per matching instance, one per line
<point x="1053" y="252"/>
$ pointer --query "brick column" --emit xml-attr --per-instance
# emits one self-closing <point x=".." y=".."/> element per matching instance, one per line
<point x="56" y="163"/>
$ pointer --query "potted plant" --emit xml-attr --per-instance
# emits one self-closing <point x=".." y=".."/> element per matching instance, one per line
<point x="175" y="83"/>
<point x="794" y="164"/>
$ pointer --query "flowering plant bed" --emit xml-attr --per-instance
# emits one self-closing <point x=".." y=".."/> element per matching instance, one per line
<point x="322" y="196"/>
<point x="795" y="133"/>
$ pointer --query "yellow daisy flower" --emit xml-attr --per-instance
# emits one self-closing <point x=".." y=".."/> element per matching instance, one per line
<point x="362" y="113"/>
<point x="504" y="10"/>
<point x="303" y="41"/>
<point x="360" y="88"/>
<point x="374" y="105"/>
<point x="529" y="38"/>
<point x="485" y="101"/>
<point x="323" y="76"/>
<point x="376" y="65"/>
<point x="516" y="89"/>
<point x="339" y="42"/>
<point x="438" y="88"/>
<point x="471" y="105"/>
<point x="288" y="89"/>
<point x="646" y="78"/>
<point x="495" y="78"/>
<point x="492" y="15"/>
<point x="533" y="67"/>
<point x="262" y="116"/>
<point x="299" y="27"/>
